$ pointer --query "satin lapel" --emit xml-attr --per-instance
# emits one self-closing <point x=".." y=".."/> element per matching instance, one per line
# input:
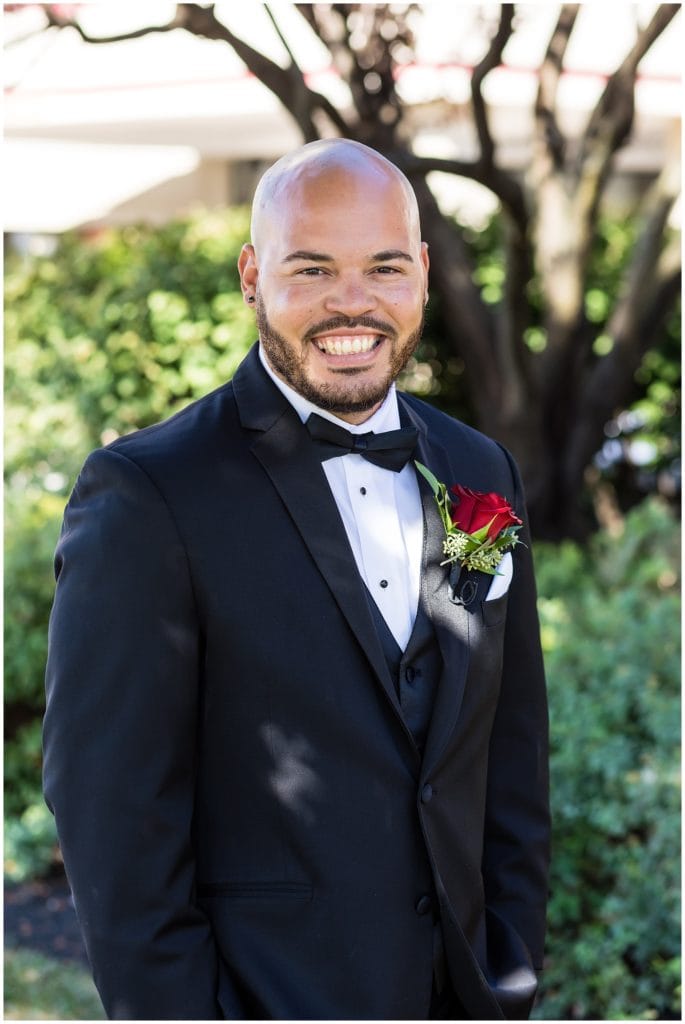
<point x="283" y="447"/>
<point x="451" y="622"/>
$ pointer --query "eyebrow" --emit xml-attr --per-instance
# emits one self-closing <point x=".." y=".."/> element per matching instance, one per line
<point x="321" y="257"/>
<point x="305" y="254"/>
<point x="391" y="254"/>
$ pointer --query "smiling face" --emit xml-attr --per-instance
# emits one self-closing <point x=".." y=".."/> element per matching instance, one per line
<point x="339" y="276"/>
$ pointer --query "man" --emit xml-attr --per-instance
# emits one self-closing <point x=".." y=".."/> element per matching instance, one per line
<point x="298" y="771"/>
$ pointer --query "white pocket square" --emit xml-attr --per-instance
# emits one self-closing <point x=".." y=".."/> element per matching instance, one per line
<point x="500" y="582"/>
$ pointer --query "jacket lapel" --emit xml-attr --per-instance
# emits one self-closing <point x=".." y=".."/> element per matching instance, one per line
<point x="283" y="448"/>
<point x="450" y="621"/>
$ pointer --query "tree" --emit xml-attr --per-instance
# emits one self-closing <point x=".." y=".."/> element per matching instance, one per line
<point x="548" y="394"/>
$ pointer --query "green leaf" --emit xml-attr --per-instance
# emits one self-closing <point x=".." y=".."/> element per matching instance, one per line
<point x="481" y="535"/>
<point x="507" y="538"/>
<point x="432" y="480"/>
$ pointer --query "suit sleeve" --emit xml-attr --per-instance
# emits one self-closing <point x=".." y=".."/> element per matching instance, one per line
<point x="517" y="825"/>
<point x="120" y="744"/>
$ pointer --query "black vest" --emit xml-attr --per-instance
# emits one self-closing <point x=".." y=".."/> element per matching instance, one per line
<point x="415" y="671"/>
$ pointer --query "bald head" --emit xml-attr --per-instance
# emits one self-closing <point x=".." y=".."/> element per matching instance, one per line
<point x="337" y="274"/>
<point x="328" y="165"/>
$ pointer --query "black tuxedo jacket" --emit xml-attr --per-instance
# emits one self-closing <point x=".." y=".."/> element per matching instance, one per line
<point x="245" y="819"/>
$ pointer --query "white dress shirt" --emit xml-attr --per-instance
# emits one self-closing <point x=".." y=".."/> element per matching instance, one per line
<point x="381" y="512"/>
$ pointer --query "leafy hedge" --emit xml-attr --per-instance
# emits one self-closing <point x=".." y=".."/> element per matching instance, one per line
<point x="124" y="330"/>
<point x="38" y="987"/>
<point x="610" y="628"/>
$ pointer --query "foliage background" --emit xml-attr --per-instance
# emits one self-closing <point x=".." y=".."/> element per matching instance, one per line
<point x="122" y="329"/>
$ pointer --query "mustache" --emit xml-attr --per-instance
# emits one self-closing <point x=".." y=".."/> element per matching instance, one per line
<point x="350" y="322"/>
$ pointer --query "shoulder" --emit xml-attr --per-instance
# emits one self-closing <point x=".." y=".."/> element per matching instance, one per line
<point x="462" y="453"/>
<point x="452" y="433"/>
<point x="194" y="429"/>
<point x="164" y="459"/>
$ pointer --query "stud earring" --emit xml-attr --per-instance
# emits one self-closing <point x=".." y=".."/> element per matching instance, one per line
<point x="250" y="298"/>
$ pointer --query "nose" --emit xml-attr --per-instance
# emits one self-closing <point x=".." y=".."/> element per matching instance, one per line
<point x="350" y="296"/>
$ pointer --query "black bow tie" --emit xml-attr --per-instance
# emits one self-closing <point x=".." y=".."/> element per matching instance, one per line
<point x="391" y="449"/>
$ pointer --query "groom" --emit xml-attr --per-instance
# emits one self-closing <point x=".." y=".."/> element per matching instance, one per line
<point x="299" y="766"/>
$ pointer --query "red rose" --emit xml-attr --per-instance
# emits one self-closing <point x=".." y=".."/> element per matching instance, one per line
<point x="471" y="510"/>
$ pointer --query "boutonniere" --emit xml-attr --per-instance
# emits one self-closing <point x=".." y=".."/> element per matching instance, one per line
<point x="478" y="527"/>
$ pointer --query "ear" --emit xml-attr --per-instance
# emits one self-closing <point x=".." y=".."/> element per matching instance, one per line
<point x="249" y="272"/>
<point x="425" y="263"/>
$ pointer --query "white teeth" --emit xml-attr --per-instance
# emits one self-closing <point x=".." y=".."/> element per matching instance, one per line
<point x="342" y="346"/>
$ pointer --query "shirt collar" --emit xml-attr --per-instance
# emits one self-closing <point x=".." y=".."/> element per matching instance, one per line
<point x="387" y="417"/>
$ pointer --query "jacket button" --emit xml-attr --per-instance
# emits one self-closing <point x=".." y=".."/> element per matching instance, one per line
<point x="426" y="793"/>
<point x="424" y="905"/>
<point x="410" y="673"/>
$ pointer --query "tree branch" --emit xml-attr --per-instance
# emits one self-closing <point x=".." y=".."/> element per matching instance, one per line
<point x="324" y="104"/>
<point x="507" y="348"/>
<point x="462" y="306"/>
<point x="308" y="97"/>
<point x="284" y="42"/>
<point x="328" y="22"/>
<point x="56" y="20"/>
<point x="665" y="295"/>
<point x="646" y="264"/>
<point x="358" y="51"/>
<point x="652" y="285"/>
<point x="549" y="75"/>
<point x="611" y="121"/>
<point x="492" y="59"/>
<point x="503" y="185"/>
<point x="287" y="84"/>
<point x="567" y="213"/>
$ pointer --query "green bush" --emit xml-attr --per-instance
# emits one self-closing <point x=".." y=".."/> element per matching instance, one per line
<point x="110" y="335"/>
<point x="32" y="527"/>
<point x="610" y="629"/>
<point x="42" y="988"/>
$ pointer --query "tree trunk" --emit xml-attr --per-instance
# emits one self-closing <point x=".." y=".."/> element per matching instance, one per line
<point x="549" y="408"/>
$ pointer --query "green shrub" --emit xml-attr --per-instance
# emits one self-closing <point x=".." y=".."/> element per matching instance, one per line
<point x="110" y="335"/>
<point x="610" y="629"/>
<point x="30" y="842"/>
<point x="32" y="527"/>
<point x="41" y="988"/>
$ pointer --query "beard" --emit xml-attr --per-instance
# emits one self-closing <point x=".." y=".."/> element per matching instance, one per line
<point x="349" y="396"/>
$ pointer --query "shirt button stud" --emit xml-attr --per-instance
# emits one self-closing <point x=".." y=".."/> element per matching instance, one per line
<point x="362" y="490"/>
<point x="384" y="584"/>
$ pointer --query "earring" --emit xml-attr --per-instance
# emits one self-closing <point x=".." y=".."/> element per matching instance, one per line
<point x="250" y="298"/>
